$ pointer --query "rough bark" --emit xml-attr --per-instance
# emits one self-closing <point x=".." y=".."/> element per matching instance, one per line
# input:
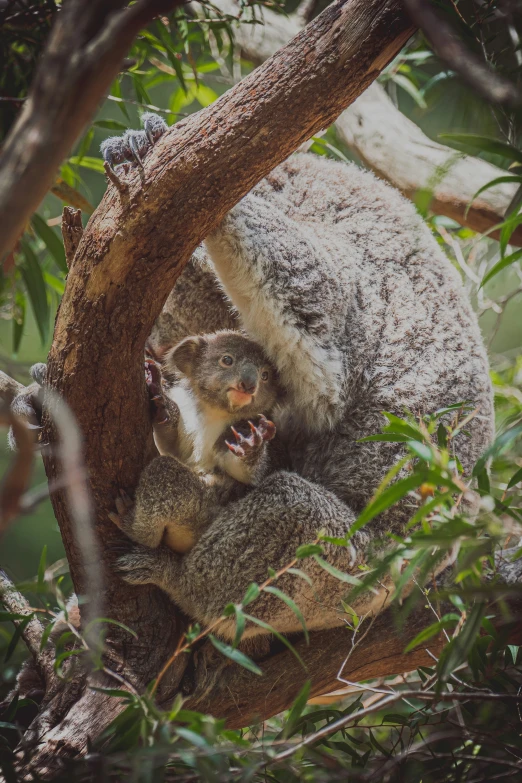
<point x="130" y="255"/>
<point x="392" y="146"/>
<point x="72" y="231"/>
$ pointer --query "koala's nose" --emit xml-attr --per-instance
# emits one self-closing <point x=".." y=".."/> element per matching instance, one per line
<point x="248" y="379"/>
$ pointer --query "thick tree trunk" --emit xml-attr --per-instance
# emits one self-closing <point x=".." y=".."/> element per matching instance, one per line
<point x="129" y="257"/>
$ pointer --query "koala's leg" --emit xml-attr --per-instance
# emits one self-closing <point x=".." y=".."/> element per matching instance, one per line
<point x="292" y="298"/>
<point x="260" y="531"/>
<point x="172" y="505"/>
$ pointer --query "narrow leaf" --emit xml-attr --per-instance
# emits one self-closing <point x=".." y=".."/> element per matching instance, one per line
<point x="51" y="240"/>
<point x="235" y="655"/>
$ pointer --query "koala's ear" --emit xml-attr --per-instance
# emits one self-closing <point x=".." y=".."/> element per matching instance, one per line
<point x="184" y="355"/>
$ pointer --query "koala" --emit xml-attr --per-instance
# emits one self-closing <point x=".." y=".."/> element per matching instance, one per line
<point x="211" y="450"/>
<point x="339" y="280"/>
<point x="334" y="274"/>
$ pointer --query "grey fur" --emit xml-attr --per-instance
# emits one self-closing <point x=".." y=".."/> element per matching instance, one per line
<point x="337" y="277"/>
<point x="341" y="282"/>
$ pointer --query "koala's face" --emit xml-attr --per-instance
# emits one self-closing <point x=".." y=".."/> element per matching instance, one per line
<point x="227" y="371"/>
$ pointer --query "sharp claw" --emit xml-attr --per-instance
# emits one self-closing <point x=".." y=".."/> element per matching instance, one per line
<point x="150" y="136"/>
<point x="237" y="436"/>
<point x="135" y="152"/>
<point x="115" y="518"/>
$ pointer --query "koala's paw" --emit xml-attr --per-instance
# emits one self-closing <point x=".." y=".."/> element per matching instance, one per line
<point x="132" y="146"/>
<point x="249" y="447"/>
<point x="125" y="509"/>
<point x="155" y="389"/>
<point x="137" y="564"/>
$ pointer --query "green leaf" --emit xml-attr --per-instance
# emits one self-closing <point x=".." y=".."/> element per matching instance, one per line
<point x="498" y="181"/>
<point x="291" y="604"/>
<point x="118" y="694"/>
<point x="420" y="450"/>
<point x="35" y="285"/>
<point x="386" y="499"/>
<point x="19" y="319"/>
<point x="515" y="479"/>
<point x="51" y="240"/>
<point x="300" y="574"/>
<point x="296" y="711"/>
<point x="251" y="594"/>
<point x="307" y="550"/>
<point x="96" y="164"/>
<point x="501" y="442"/>
<point x="278" y="635"/>
<point x="458" y="649"/>
<point x="6" y="617"/>
<point x="394" y="437"/>
<point x="409" y="87"/>
<point x="42" y="566"/>
<point x="235" y="655"/>
<point x="431" y="630"/>
<point x="395" y="717"/>
<point x="110" y="125"/>
<point x="340" y="575"/>
<point x="500" y="265"/>
<point x="485" y="144"/>
<point x="17" y="636"/>
<point x="240" y="625"/>
<point x="116" y="92"/>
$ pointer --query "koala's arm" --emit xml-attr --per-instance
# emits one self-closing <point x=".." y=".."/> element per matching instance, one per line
<point x="291" y="298"/>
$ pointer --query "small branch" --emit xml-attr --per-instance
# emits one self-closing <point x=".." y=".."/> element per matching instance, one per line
<point x="113" y="177"/>
<point x="72" y="232"/>
<point x="15" y="602"/>
<point x="476" y="72"/>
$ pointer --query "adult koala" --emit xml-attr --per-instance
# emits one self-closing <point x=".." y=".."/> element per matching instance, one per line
<point x="337" y="277"/>
<point x="334" y="274"/>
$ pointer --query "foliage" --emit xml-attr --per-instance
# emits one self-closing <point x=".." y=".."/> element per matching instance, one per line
<point x="455" y="720"/>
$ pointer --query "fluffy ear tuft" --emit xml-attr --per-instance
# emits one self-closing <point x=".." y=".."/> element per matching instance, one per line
<point x="183" y="355"/>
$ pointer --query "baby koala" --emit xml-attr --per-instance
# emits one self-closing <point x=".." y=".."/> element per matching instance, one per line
<point x="212" y="450"/>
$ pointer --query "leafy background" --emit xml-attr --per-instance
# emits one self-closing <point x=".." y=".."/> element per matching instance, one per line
<point x="179" y="65"/>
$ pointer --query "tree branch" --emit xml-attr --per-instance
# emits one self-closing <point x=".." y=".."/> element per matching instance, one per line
<point x="15" y="603"/>
<point x="335" y="656"/>
<point x="72" y="232"/>
<point x="392" y="146"/>
<point x="488" y="83"/>
<point x="65" y="94"/>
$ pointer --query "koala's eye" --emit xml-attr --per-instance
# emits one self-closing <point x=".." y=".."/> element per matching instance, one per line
<point x="264" y="376"/>
<point x="226" y="361"/>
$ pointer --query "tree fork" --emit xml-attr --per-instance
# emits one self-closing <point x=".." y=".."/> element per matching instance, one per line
<point x="131" y="253"/>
